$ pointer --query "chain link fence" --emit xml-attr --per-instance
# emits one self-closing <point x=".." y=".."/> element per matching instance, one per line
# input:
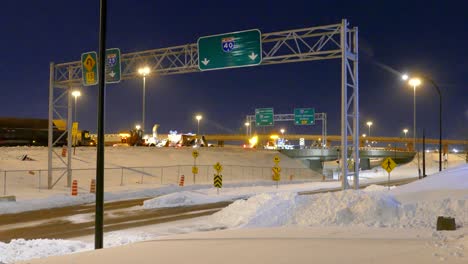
<point x="22" y="180"/>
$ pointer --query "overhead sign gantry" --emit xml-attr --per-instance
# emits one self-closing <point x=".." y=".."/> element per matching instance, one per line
<point x="336" y="41"/>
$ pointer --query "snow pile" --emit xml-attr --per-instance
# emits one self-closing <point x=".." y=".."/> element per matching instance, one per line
<point x="265" y="210"/>
<point x="360" y="208"/>
<point x="20" y="249"/>
<point x="449" y="179"/>
<point x="347" y="208"/>
<point x="374" y="188"/>
<point x="185" y="198"/>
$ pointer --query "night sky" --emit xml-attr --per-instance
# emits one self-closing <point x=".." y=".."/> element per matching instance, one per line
<point x="399" y="36"/>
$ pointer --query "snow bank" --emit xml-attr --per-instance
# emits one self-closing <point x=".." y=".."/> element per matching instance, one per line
<point x="449" y="179"/>
<point x="20" y="249"/>
<point x="371" y="209"/>
<point x="185" y="198"/>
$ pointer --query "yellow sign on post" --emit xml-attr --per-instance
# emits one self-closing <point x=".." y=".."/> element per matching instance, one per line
<point x="218" y="167"/>
<point x="388" y="164"/>
<point x="276" y="159"/>
<point x="195" y="170"/>
<point x="195" y="154"/>
<point x="74" y="129"/>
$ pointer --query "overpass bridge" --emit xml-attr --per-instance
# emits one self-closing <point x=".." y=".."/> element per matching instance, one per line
<point x="335" y="138"/>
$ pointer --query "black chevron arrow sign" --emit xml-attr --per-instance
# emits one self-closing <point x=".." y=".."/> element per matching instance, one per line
<point x="218" y="181"/>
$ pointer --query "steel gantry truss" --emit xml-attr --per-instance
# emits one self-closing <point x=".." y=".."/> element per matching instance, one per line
<point x="336" y="41"/>
<point x="290" y="117"/>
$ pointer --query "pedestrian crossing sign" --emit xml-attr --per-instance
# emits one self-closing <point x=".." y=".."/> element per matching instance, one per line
<point x="388" y="164"/>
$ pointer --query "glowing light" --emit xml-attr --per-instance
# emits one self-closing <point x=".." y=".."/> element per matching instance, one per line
<point x="274" y="137"/>
<point x="253" y="141"/>
<point x="405" y="77"/>
<point x="76" y="94"/>
<point x="137" y="127"/>
<point x="414" y="82"/>
<point x="144" y="71"/>
<point x="198" y="117"/>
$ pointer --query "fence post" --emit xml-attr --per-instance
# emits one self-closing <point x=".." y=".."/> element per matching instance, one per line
<point x="121" y="178"/>
<point x="142" y="174"/>
<point x="162" y="173"/>
<point x="39" y="187"/>
<point x="178" y="173"/>
<point x="4" y="183"/>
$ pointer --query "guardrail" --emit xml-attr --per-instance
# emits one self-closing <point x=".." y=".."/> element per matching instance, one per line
<point x="15" y="181"/>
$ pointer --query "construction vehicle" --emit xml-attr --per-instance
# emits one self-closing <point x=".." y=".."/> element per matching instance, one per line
<point x="83" y="138"/>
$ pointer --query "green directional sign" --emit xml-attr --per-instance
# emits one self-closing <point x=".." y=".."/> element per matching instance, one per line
<point x="264" y="116"/>
<point x="89" y="68"/>
<point x="304" y="116"/>
<point x="113" y="66"/>
<point x="230" y="50"/>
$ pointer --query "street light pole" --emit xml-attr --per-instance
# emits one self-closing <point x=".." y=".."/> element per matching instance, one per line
<point x="143" y="110"/>
<point x="440" y="119"/>
<point x="144" y="72"/>
<point x="198" y="117"/>
<point x="415" y="82"/>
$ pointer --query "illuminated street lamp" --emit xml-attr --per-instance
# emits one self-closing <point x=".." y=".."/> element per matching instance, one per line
<point x="198" y="117"/>
<point x="418" y="82"/>
<point x="143" y="72"/>
<point x="369" y="124"/>
<point x="415" y="82"/>
<point x="75" y="94"/>
<point x="137" y="127"/>
<point x="405" y="131"/>
<point x="282" y="131"/>
<point x="247" y="124"/>
<point x="364" y="135"/>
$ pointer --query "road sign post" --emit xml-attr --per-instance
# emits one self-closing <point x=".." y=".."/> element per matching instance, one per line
<point x="264" y="117"/>
<point x="388" y="164"/>
<point x="113" y="66"/>
<point x="89" y="68"/>
<point x="276" y="170"/>
<point x="218" y="178"/>
<point x="195" y="155"/>
<point x="230" y="50"/>
<point x="304" y="116"/>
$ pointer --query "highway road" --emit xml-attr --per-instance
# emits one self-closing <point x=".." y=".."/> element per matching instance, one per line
<point x="76" y="221"/>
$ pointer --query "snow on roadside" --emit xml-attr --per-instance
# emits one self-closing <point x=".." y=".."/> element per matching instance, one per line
<point x="20" y="249"/>
<point x="184" y="198"/>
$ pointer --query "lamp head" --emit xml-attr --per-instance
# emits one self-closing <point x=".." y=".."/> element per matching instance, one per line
<point x="414" y="82"/>
<point x="144" y="71"/>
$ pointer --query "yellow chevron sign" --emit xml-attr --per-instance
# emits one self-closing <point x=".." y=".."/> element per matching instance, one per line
<point x="218" y="181"/>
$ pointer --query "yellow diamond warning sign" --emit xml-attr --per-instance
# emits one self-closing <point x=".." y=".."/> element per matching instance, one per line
<point x="89" y="69"/>
<point x="388" y="164"/>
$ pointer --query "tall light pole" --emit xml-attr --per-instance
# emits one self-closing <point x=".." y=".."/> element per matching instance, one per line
<point x="198" y="117"/>
<point x="415" y="82"/>
<point x="369" y="124"/>
<point x="75" y="94"/>
<point x="406" y="77"/>
<point x="247" y="124"/>
<point x="282" y="132"/>
<point x="144" y="72"/>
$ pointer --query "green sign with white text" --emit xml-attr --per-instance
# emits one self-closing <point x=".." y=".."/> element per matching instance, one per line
<point x="230" y="50"/>
<point x="304" y="116"/>
<point x="264" y="116"/>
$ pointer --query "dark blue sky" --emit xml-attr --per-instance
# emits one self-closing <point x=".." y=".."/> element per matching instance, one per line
<point x="413" y="36"/>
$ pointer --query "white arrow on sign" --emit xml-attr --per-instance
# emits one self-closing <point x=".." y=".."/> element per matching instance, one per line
<point x="253" y="56"/>
<point x="205" y="61"/>
<point x="112" y="74"/>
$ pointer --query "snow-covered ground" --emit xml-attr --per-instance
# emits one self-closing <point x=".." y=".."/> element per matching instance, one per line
<point x="392" y="225"/>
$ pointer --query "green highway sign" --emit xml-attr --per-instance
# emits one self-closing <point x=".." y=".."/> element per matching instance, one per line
<point x="89" y="68"/>
<point x="113" y="66"/>
<point x="304" y="116"/>
<point x="230" y="50"/>
<point x="264" y="116"/>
